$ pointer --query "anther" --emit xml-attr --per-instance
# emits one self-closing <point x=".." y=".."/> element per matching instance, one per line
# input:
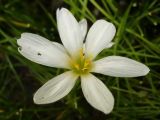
<point x="76" y="66"/>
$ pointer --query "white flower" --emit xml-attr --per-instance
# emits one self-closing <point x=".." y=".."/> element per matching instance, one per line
<point x="79" y="59"/>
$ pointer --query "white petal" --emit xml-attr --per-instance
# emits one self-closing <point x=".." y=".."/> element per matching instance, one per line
<point x="83" y="27"/>
<point x="60" y="46"/>
<point x="69" y="31"/>
<point x="97" y="94"/>
<point x="99" y="36"/>
<point x="40" y="50"/>
<point x="120" y="67"/>
<point x="84" y="48"/>
<point x="109" y="45"/>
<point x="55" y="89"/>
<point x="57" y="13"/>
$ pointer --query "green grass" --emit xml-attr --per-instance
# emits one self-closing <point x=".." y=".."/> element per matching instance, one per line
<point x="137" y="37"/>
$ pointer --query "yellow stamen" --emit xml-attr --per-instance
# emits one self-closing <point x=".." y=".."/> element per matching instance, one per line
<point x="76" y="66"/>
<point x="81" y="64"/>
<point x="86" y="63"/>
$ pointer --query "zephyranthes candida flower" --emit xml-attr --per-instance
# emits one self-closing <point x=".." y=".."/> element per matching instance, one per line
<point x="78" y="56"/>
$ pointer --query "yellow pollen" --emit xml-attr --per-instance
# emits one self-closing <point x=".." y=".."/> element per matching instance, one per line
<point x="76" y="66"/>
<point x="87" y="63"/>
<point x="81" y="64"/>
<point x="81" y="54"/>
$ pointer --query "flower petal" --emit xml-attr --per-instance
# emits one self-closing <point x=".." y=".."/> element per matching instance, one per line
<point x="69" y="31"/>
<point x="83" y="27"/>
<point x="55" y="89"/>
<point x="120" y="67"/>
<point x="109" y="45"/>
<point x="97" y="94"/>
<point x="60" y="46"/>
<point x="40" y="50"/>
<point x="99" y="36"/>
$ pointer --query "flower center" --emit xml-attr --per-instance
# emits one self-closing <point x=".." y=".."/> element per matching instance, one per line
<point x="81" y="64"/>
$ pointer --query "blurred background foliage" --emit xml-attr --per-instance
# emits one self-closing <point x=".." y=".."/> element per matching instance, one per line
<point x="137" y="37"/>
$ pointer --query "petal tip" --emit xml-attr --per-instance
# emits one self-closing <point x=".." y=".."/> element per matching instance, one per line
<point x="108" y="111"/>
<point x="38" y="100"/>
<point x="102" y="99"/>
<point x="146" y="70"/>
<point x="35" y="100"/>
<point x="26" y="33"/>
<point x="110" y="108"/>
<point x="57" y="11"/>
<point x="18" y="41"/>
<point x="84" y="21"/>
<point x="108" y="24"/>
<point x="23" y="37"/>
<point x="63" y="10"/>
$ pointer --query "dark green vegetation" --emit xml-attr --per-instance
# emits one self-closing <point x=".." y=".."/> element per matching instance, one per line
<point x="138" y="37"/>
